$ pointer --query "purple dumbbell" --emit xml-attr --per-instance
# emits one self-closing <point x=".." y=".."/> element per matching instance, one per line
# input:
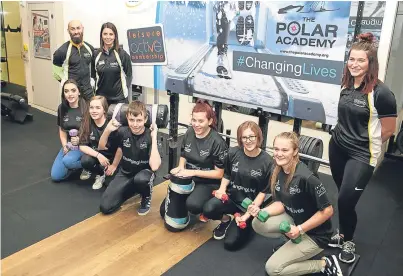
<point x="72" y="133"/>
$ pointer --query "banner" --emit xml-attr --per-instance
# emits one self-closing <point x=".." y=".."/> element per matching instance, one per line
<point x="40" y="31"/>
<point x="283" y="57"/>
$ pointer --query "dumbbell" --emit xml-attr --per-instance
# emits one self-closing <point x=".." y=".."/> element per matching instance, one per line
<point x="157" y="111"/>
<point x="224" y="198"/>
<point x="263" y="216"/>
<point x="72" y="133"/>
<point x="285" y="227"/>
<point x="242" y="224"/>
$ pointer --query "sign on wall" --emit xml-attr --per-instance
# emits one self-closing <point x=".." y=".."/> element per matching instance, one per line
<point x="40" y="34"/>
<point x="146" y="45"/>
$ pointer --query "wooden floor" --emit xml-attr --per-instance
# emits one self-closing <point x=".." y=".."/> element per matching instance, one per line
<point x="120" y="244"/>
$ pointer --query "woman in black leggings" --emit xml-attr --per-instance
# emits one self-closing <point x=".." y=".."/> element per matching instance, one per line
<point x="246" y="175"/>
<point x="366" y="119"/>
<point x="202" y="157"/>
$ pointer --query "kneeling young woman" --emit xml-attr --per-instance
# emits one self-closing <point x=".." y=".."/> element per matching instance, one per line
<point x="301" y="201"/>
<point x="94" y="159"/>
<point x="246" y="174"/>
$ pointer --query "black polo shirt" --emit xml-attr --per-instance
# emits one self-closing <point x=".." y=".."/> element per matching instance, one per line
<point x="358" y="129"/>
<point x="80" y="66"/>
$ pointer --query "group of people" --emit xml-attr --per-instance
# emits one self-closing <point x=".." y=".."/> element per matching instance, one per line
<point x="366" y="119"/>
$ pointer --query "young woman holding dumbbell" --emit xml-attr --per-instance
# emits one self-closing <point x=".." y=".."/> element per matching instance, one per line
<point x="95" y="160"/>
<point x="246" y="174"/>
<point x="301" y="205"/>
<point x="202" y="157"/>
<point x="69" y="115"/>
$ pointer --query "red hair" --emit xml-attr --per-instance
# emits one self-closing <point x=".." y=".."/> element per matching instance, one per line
<point x="366" y="42"/>
<point x="204" y="106"/>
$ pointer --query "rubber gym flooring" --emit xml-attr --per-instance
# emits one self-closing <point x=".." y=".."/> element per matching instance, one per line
<point x="34" y="208"/>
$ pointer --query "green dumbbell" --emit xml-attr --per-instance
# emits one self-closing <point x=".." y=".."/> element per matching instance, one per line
<point x="285" y="227"/>
<point x="263" y="216"/>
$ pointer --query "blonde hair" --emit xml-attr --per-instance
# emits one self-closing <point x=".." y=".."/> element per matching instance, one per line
<point x="293" y="138"/>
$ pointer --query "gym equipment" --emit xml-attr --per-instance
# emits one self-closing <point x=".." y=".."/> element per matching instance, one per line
<point x="399" y="141"/>
<point x="263" y="216"/>
<point x="158" y="112"/>
<point x="313" y="147"/>
<point x="285" y="227"/>
<point x="15" y="107"/>
<point x="224" y="198"/>
<point x="242" y="224"/>
<point x="72" y="133"/>
<point x="173" y="208"/>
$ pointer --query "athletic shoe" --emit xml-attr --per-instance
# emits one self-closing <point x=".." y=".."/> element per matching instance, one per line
<point x="336" y="241"/>
<point x="99" y="181"/>
<point x="332" y="267"/>
<point x="202" y="218"/>
<point x="221" y="229"/>
<point x="85" y="175"/>
<point x="347" y="252"/>
<point x="145" y="206"/>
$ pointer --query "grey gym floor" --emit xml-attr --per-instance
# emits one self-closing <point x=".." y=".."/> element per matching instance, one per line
<point x="33" y="208"/>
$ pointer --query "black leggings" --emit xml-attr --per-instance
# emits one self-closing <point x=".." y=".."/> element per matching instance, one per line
<point x="123" y="187"/>
<point x="351" y="177"/>
<point x="223" y="28"/>
<point x="200" y="195"/>
<point x="235" y="237"/>
<point x="91" y="164"/>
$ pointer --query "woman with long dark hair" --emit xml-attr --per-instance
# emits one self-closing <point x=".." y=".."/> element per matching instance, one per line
<point x="113" y="67"/>
<point x="95" y="160"/>
<point x="202" y="157"/>
<point x="366" y="119"/>
<point x="69" y="115"/>
<point x="300" y="210"/>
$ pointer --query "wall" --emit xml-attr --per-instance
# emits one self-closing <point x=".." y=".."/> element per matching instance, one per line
<point x="14" y="42"/>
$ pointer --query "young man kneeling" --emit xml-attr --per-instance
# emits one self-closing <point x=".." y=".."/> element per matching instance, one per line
<point x="140" y="159"/>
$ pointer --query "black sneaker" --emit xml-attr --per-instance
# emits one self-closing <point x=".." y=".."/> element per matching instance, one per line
<point x="336" y="241"/>
<point x="332" y="267"/>
<point x="221" y="229"/>
<point x="145" y="206"/>
<point x="347" y="252"/>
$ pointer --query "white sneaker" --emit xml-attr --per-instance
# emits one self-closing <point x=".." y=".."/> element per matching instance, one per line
<point x="85" y="175"/>
<point x="99" y="181"/>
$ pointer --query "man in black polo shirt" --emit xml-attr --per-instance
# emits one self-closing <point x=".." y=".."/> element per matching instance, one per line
<point x="73" y="60"/>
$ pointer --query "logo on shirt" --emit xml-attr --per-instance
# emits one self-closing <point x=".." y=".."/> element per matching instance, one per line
<point x="222" y="154"/>
<point x="126" y="143"/>
<point x="143" y="145"/>
<point x="320" y="190"/>
<point x="65" y="118"/>
<point x="294" y="190"/>
<point x="188" y="148"/>
<point x="257" y="173"/>
<point x="102" y="62"/>
<point x="277" y="187"/>
<point x="359" y="103"/>
<point x="78" y="118"/>
<point x="87" y="55"/>
<point x="114" y="64"/>
<point x="92" y="137"/>
<point x="235" y="167"/>
<point x="204" y="153"/>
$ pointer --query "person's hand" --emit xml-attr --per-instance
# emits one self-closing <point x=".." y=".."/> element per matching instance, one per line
<point x="154" y="131"/>
<point x="103" y="160"/>
<point x="65" y="149"/>
<point x="111" y="169"/>
<point x="219" y="193"/>
<point x="75" y="140"/>
<point x="113" y="125"/>
<point x="242" y="218"/>
<point x="294" y="232"/>
<point x="253" y="209"/>
<point x="175" y="171"/>
<point x="186" y="173"/>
